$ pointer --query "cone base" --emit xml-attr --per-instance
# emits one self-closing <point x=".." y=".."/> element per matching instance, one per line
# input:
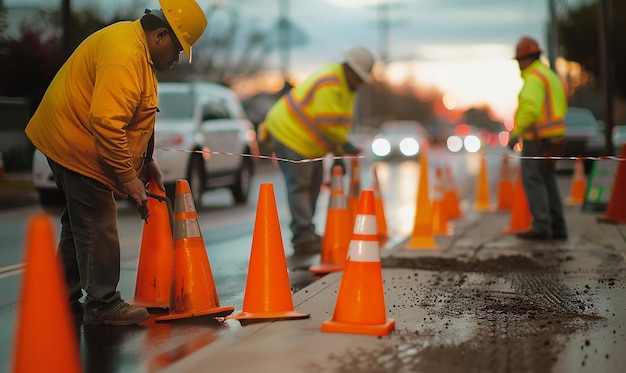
<point x="424" y="242"/>
<point x="156" y="305"/>
<point x="515" y="230"/>
<point x="609" y="220"/>
<point x="321" y="269"/>
<point x="483" y="206"/>
<point x="286" y="315"/>
<point x="574" y="201"/>
<point x="331" y="326"/>
<point x="215" y="312"/>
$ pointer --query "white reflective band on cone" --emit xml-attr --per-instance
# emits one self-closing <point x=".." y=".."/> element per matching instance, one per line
<point x="363" y="251"/>
<point x="365" y="224"/>
<point x="186" y="228"/>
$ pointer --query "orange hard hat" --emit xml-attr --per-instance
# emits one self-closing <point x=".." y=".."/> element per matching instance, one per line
<point x="527" y="47"/>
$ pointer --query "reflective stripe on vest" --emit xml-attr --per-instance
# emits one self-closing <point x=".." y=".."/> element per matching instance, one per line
<point x="297" y="110"/>
<point x="548" y="125"/>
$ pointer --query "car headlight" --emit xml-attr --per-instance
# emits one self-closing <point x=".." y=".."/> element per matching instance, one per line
<point x="454" y="143"/>
<point x="472" y="143"/>
<point x="409" y="146"/>
<point x="381" y="147"/>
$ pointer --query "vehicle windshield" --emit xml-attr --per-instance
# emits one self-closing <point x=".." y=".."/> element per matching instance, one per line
<point x="175" y="105"/>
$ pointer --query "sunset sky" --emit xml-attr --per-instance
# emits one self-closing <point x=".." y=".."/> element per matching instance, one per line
<point x="462" y="47"/>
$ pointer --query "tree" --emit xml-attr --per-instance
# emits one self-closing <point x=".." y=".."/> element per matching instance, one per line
<point x="578" y="36"/>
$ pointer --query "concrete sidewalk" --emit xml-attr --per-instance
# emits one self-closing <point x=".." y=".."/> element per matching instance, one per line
<point x="484" y="301"/>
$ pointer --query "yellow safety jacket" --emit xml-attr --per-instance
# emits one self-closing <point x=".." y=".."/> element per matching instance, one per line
<point x="98" y="113"/>
<point x="542" y="104"/>
<point x="314" y="118"/>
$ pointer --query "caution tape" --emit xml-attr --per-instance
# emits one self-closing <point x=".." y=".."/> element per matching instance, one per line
<point x="308" y="160"/>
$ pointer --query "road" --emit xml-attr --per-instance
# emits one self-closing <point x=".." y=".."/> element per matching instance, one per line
<point x="227" y="233"/>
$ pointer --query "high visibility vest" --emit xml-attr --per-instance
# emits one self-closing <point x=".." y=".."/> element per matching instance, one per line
<point x="550" y="120"/>
<point x="314" y="118"/>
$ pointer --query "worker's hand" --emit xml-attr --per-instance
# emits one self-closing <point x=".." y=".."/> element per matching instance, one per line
<point x="152" y="173"/>
<point x="136" y="189"/>
<point x="349" y="148"/>
<point x="512" y="142"/>
<point x="340" y="163"/>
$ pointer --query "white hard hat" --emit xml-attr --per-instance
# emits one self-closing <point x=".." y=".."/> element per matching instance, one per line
<point x="361" y="61"/>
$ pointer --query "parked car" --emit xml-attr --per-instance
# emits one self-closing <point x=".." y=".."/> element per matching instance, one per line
<point x="584" y="136"/>
<point x="619" y="138"/>
<point x="400" y="138"/>
<point x="198" y="126"/>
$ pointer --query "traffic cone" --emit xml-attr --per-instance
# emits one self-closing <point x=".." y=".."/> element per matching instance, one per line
<point x="422" y="236"/>
<point x="268" y="290"/>
<point x="154" y="271"/>
<point x="482" y="189"/>
<point x="579" y="185"/>
<point x="616" y="208"/>
<point x="521" y="218"/>
<point x="193" y="291"/>
<point x="381" y="220"/>
<point x="354" y="188"/>
<point x="505" y="186"/>
<point x="337" y="234"/>
<point x="360" y="305"/>
<point x="46" y="337"/>
<point x="451" y="196"/>
<point x="440" y="219"/>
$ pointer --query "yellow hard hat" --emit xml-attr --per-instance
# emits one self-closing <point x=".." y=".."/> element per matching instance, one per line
<point x="186" y="19"/>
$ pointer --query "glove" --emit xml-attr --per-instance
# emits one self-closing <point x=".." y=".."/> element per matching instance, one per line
<point x="348" y="148"/>
<point x="340" y="163"/>
<point x="512" y="142"/>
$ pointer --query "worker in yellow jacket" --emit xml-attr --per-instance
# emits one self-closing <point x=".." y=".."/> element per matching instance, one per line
<point x="310" y="121"/>
<point x="540" y="123"/>
<point x="95" y="125"/>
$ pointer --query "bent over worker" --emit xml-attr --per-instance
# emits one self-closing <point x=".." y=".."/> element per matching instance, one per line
<point x="310" y="121"/>
<point x="95" y="125"/>
<point x="540" y="123"/>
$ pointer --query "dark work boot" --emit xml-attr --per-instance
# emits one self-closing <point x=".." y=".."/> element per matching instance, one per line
<point x="123" y="314"/>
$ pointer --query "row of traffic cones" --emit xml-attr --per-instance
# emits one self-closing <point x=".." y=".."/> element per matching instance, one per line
<point x="359" y="308"/>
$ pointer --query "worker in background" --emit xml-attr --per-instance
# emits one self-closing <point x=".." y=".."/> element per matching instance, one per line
<point x="540" y="123"/>
<point x="311" y="121"/>
<point x="95" y="124"/>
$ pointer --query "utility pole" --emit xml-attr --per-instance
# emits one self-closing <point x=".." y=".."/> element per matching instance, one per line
<point x="383" y="31"/>
<point x="66" y="14"/>
<point x="284" y="38"/>
<point x="605" y="45"/>
<point x="553" y="35"/>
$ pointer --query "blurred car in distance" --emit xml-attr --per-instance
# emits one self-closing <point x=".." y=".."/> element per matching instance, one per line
<point x="196" y="123"/>
<point x="619" y="138"/>
<point x="465" y="138"/>
<point x="400" y="138"/>
<point x="584" y="136"/>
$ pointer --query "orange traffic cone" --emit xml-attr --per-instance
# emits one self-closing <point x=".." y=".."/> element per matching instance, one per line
<point x="44" y="343"/>
<point x="440" y="219"/>
<point x="521" y="218"/>
<point x="154" y="271"/>
<point x="422" y="237"/>
<point x="579" y="184"/>
<point x="451" y="196"/>
<point x="505" y="186"/>
<point x="482" y="189"/>
<point x="615" y="211"/>
<point x="381" y="220"/>
<point x="360" y="306"/>
<point x="193" y="291"/>
<point x="337" y="235"/>
<point x="268" y="290"/>
<point x="354" y="188"/>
